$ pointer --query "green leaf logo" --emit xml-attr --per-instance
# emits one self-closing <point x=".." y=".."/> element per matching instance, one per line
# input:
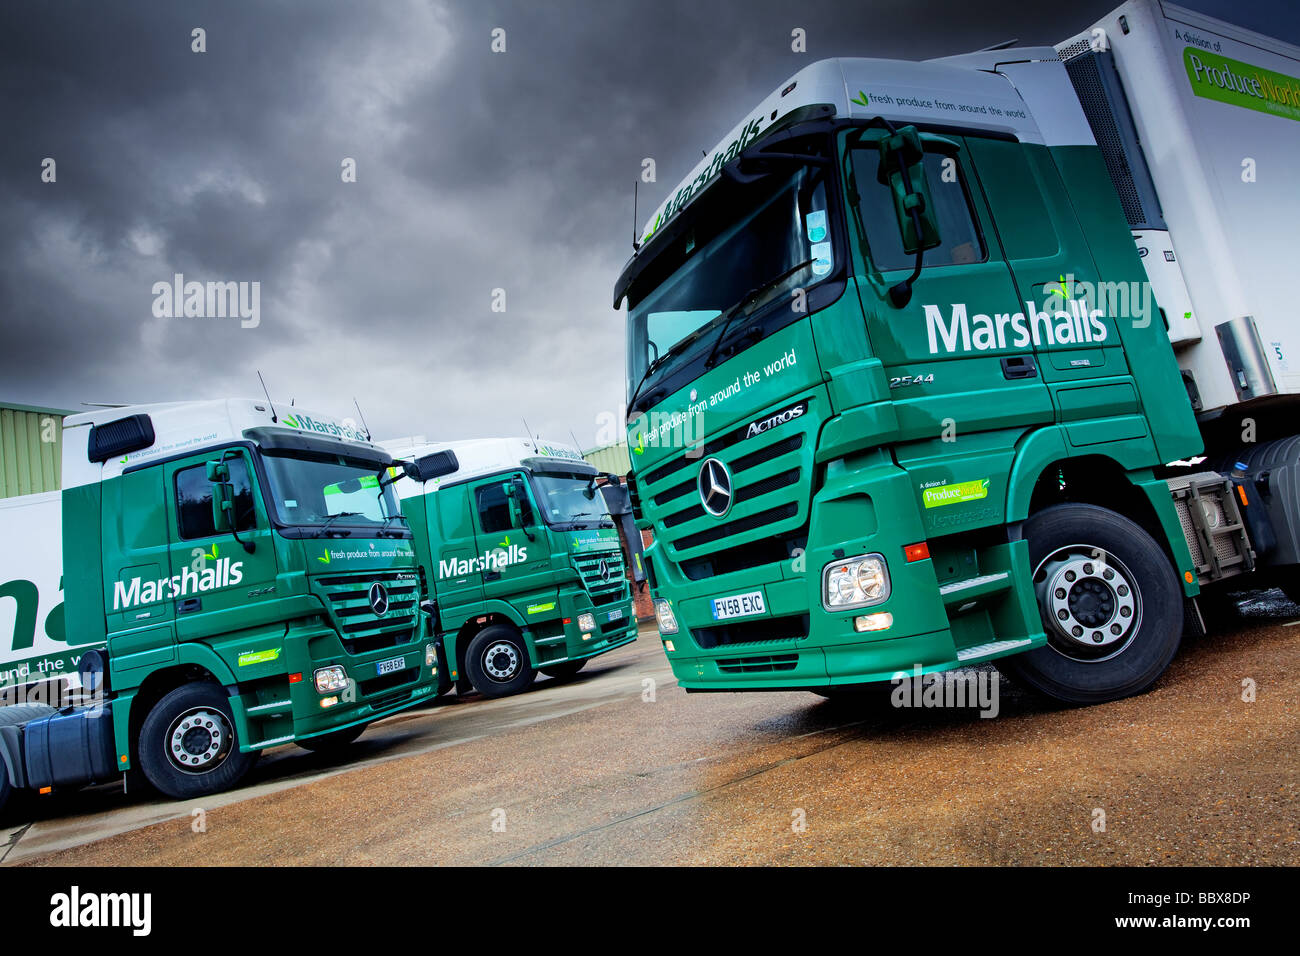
<point x="213" y="553"/>
<point x="1062" y="289"/>
<point x="505" y="543"/>
<point x="861" y="99"/>
<point x="290" y="421"/>
<point x="325" y="558"/>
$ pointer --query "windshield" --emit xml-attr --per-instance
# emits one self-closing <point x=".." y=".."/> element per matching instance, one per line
<point x="740" y="240"/>
<point x="311" y="489"/>
<point x="563" y="499"/>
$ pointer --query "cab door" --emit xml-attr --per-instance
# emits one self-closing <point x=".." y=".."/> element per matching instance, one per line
<point x="139" y="616"/>
<point x="219" y="586"/>
<point x="1053" y="266"/>
<point x="453" y="548"/>
<point x="954" y="354"/>
<point x="513" y="542"/>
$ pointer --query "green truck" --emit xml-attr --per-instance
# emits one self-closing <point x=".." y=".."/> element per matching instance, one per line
<point x="986" y="358"/>
<point x="232" y="578"/>
<point x="521" y="557"/>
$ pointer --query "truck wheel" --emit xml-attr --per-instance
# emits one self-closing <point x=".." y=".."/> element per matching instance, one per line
<point x="11" y="716"/>
<point x="566" y="670"/>
<point x="1110" y="602"/>
<point x="188" y="744"/>
<point x="497" y="662"/>
<point x="336" y="740"/>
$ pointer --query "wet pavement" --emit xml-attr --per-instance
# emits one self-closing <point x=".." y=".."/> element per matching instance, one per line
<point x="620" y="766"/>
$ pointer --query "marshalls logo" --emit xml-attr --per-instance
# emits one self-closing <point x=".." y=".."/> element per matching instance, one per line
<point x="965" y="333"/>
<point x="78" y="909"/>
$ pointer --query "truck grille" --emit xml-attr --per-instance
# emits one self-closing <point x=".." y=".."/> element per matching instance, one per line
<point x="764" y="630"/>
<point x="768" y="519"/>
<point x="362" y="631"/>
<point x="600" y="590"/>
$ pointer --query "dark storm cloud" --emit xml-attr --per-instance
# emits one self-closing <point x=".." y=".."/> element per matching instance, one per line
<point x="476" y="171"/>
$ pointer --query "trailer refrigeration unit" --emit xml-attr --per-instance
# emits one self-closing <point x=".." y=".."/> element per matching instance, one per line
<point x="521" y="556"/>
<point x="993" y="357"/>
<point x="232" y="579"/>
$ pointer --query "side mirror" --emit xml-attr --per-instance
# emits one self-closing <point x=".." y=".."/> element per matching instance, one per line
<point x="511" y="491"/>
<point x="902" y="169"/>
<point x="428" y="467"/>
<point x="222" y="503"/>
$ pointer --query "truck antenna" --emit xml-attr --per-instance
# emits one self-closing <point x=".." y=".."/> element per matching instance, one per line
<point x="636" y="245"/>
<point x="267" y="393"/>
<point x="576" y="444"/>
<point x="362" y="417"/>
<point x="528" y="432"/>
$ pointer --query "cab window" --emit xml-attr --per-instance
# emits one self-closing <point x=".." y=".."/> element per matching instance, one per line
<point x="962" y="242"/>
<point x="194" y="500"/>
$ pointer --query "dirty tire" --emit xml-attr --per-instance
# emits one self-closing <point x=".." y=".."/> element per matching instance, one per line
<point x="334" y="741"/>
<point x="497" y="662"/>
<point x="192" y="726"/>
<point x="1110" y="602"/>
<point x="566" y="670"/>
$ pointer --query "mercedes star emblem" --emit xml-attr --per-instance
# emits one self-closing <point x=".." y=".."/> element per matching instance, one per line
<point x="378" y="599"/>
<point x="715" y="487"/>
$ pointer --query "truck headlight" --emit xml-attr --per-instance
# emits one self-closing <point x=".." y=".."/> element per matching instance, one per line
<point x="855" y="582"/>
<point x="330" y="679"/>
<point x="586" y="622"/>
<point x="664" y="614"/>
<point x="430" y="655"/>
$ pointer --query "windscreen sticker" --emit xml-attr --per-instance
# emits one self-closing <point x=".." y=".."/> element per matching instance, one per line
<point x="815" y="225"/>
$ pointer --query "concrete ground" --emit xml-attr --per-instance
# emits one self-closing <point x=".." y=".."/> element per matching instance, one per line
<point x="621" y="766"/>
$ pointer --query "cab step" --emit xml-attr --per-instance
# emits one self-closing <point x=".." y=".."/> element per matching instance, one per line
<point x="965" y="594"/>
<point x="984" y="652"/>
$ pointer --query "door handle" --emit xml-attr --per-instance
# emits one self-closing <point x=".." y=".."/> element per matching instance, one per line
<point x="189" y="604"/>
<point x="491" y="575"/>
<point x="1019" y="366"/>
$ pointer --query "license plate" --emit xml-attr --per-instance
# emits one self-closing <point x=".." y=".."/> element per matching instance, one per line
<point x="738" y="605"/>
<point x="391" y="667"/>
<point x="616" y="615"/>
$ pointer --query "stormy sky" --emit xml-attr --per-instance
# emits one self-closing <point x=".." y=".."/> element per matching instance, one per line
<point x="475" y="171"/>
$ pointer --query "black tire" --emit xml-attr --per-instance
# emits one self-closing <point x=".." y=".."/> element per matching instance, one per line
<point x="11" y="716"/>
<point x="497" y="662"/>
<point x="1124" y="599"/>
<point x="334" y="741"/>
<point x="564" y="671"/>
<point x="193" y="724"/>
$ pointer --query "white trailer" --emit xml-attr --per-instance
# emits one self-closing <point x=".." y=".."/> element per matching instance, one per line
<point x="33" y="645"/>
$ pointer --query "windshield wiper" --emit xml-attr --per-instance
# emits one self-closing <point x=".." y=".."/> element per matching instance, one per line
<point x="745" y="300"/>
<point x="324" y="529"/>
<point x="397" y="517"/>
<point x="676" y="350"/>
<point x="726" y="318"/>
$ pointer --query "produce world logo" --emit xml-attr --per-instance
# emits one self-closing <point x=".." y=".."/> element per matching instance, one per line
<point x="962" y="491"/>
<point x="1241" y="84"/>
